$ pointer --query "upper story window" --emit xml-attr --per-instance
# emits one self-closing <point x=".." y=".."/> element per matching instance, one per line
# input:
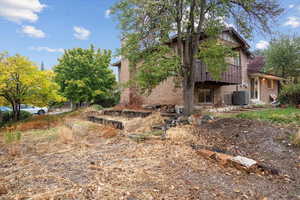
<point x="237" y="60"/>
<point x="227" y="37"/>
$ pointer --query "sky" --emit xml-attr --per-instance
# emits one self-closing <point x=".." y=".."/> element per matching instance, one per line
<point x="42" y="29"/>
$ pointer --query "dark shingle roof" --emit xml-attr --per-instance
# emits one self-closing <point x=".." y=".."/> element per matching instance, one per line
<point x="256" y="64"/>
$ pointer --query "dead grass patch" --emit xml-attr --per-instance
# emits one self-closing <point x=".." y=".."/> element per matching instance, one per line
<point x="143" y="125"/>
<point x="109" y="132"/>
<point x="65" y="134"/>
<point x="295" y="139"/>
<point x="129" y="107"/>
<point x="182" y="134"/>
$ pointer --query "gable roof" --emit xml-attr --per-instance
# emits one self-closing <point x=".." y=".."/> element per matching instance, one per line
<point x="244" y="45"/>
<point x="255" y="68"/>
<point x="256" y="64"/>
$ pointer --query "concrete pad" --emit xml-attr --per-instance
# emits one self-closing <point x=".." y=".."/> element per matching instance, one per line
<point x="243" y="161"/>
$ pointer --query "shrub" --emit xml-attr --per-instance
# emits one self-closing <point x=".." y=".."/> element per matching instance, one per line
<point x="290" y="94"/>
<point x="108" y="101"/>
<point x="11" y="137"/>
<point x="7" y="116"/>
<point x="295" y="139"/>
<point x="97" y="107"/>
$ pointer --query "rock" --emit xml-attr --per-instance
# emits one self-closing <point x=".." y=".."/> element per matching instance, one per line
<point x="267" y="169"/>
<point x="206" y="153"/>
<point x="137" y="137"/>
<point x="3" y="190"/>
<point x="182" y="120"/>
<point x="241" y="162"/>
<point x="207" y="118"/>
<point x="179" y="109"/>
<point x="222" y="158"/>
<point x="195" y="120"/>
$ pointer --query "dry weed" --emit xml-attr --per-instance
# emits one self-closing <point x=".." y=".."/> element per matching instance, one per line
<point x="38" y="124"/>
<point x="143" y="125"/>
<point x="12" y="141"/>
<point x="65" y="134"/>
<point x="182" y="134"/>
<point x="296" y="139"/>
<point x="109" y="132"/>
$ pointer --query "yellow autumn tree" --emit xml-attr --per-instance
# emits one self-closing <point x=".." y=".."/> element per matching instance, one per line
<point x="21" y="82"/>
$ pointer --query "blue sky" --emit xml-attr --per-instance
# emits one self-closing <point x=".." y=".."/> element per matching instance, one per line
<point x="41" y="29"/>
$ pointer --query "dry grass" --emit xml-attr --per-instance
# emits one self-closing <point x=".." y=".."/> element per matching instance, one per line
<point x="129" y="107"/>
<point x="295" y="139"/>
<point x="65" y="134"/>
<point x="182" y="135"/>
<point x="143" y="125"/>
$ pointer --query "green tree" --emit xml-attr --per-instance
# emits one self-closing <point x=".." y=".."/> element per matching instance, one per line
<point x="22" y="82"/>
<point x="148" y="26"/>
<point x="283" y="57"/>
<point x="84" y="75"/>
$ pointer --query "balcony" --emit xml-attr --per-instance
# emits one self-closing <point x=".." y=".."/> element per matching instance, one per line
<point x="232" y="76"/>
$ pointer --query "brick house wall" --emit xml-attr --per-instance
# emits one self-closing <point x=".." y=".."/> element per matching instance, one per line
<point x="166" y="93"/>
<point x="265" y="92"/>
<point x="245" y="86"/>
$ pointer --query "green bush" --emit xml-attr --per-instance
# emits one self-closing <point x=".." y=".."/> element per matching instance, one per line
<point x="97" y="107"/>
<point x="8" y="116"/>
<point x="290" y="94"/>
<point x="108" y="101"/>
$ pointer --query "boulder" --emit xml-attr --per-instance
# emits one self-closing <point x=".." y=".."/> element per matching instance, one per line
<point x="195" y="120"/>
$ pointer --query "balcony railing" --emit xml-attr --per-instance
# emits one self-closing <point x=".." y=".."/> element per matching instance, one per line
<point x="233" y="75"/>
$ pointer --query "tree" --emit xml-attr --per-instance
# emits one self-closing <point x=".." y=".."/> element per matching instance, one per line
<point x="42" y="66"/>
<point x="149" y="25"/>
<point x="283" y="57"/>
<point x="22" y="82"/>
<point x="84" y="75"/>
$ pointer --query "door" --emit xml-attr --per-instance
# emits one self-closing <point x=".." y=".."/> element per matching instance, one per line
<point x="205" y="96"/>
<point x="254" y="88"/>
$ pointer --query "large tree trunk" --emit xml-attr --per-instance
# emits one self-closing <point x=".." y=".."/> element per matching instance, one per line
<point x="188" y="96"/>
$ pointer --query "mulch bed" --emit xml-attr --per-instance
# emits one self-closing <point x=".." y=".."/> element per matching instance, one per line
<point x="119" y="168"/>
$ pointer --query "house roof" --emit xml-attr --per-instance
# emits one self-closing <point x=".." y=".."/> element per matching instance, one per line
<point x="255" y="68"/>
<point x="256" y="64"/>
<point x="245" y="46"/>
<point x="116" y="64"/>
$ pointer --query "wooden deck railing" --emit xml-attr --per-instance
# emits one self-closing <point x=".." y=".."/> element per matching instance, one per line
<point x="233" y="75"/>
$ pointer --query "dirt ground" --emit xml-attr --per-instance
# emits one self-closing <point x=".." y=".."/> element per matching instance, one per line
<point x="94" y="166"/>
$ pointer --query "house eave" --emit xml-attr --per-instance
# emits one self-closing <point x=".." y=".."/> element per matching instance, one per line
<point x="264" y="75"/>
<point x="116" y="64"/>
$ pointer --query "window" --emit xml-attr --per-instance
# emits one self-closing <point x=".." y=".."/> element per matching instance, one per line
<point x="270" y="84"/>
<point x="205" y="95"/>
<point x="237" y="60"/>
<point x="227" y="37"/>
<point x="254" y="88"/>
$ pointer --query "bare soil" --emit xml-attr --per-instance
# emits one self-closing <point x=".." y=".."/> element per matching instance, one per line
<point x="96" y="167"/>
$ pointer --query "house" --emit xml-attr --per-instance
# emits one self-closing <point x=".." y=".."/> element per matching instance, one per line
<point x="243" y="74"/>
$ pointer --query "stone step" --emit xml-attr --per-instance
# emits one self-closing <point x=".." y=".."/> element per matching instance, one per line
<point x="127" y="113"/>
<point x="104" y="121"/>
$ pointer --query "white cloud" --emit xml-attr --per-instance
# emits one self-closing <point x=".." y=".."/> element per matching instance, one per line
<point x="59" y="50"/>
<point x="81" y="33"/>
<point x="293" y="22"/>
<point x="33" y="32"/>
<point x="262" y="44"/>
<point x="291" y="6"/>
<point x="21" y="10"/>
<point x="107" y="13"/>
